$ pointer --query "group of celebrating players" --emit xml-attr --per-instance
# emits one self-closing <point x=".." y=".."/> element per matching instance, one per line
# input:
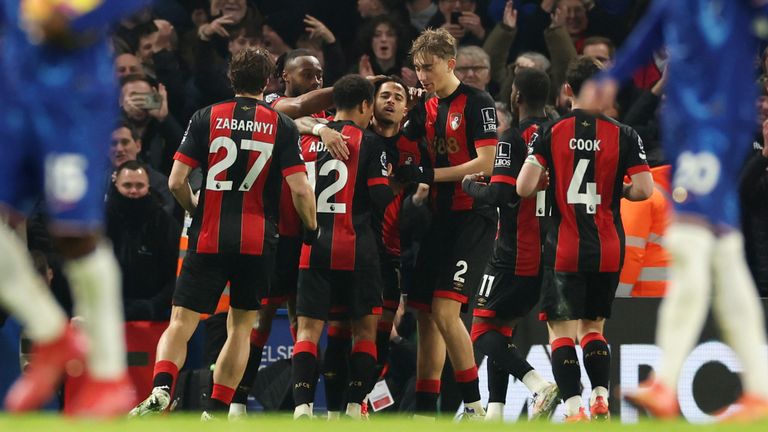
<point x="320" y="223"/>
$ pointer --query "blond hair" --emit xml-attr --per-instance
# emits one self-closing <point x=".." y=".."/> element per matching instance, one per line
<point x="437" y="42"/>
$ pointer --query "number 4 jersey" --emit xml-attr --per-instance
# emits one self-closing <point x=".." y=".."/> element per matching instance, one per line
<point x="587" y="157"/>
<point x="244" y="149"/>
<point x="347" y="193"/>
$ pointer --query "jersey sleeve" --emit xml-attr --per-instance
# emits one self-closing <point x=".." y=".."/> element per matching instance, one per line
<point x="481" y="119"/>
<point x="288" y="147"/>
<point x="414" y="127"/>
<point x="539" y="148"/>
<point x="193" y="150"/>
<point x="635" y="153"/>
<point x="511" y="152"/>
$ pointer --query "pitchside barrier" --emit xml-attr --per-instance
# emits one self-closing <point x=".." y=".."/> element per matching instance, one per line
<point x="708" y="382"/>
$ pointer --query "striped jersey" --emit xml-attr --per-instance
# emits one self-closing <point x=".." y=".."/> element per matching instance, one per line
<point x="587" y="157"/>
<point x="244" y="149"/>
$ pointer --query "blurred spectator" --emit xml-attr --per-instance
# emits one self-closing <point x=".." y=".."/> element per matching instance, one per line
<point x="127" y="64"/>
<point x="498" y="43"/>
<point x="473" y="67"/>
<point x="145" y="239"/>
<point x="600" y="48"/>
<point x="462" y="20"/>
<point x="420" y="12"/>
<point x="384" y="48"/>
<point x="321" y="40"/>
<point x="754" y="205"/>
<point x="644" y="273"/>
<point x="126" y="145"/>
<point x="145" y="106"/>
<point x="281" y="31"/>
<point x="643" y="113"/>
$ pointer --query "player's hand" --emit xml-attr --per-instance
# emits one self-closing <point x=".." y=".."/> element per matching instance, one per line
<point x="364" y="67"/>
<point x="509" y="18"/>
<point x="318" y="30"/>
<point x="421" y="194"/>
<point x="472" y="177"/>
<point x="455" y="30"/>
<point x="335" y="142"/>
<point x="414" y="97"/>
<point x="161" y="113"/>
<point x="471" y="22"/>
<point x="206" y="31"/>
<point x="308" y="236"/>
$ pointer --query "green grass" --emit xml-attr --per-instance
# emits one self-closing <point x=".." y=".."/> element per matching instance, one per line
<point x="277" y="423"/>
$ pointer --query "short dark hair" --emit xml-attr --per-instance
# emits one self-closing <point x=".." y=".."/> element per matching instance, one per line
<point x="249" y="70"/>
<point x="286" y="58"/>
<point x="395" y="79"/>
<point x="125" y="123"/>
<point x="132" y="165"/>
<point x="350" y="91"/>
<point x="580" y="70"/>
<point x="533" y="87"/>
<point x="601" y="40"/>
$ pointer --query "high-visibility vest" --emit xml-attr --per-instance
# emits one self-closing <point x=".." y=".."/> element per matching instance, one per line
<point x="646" y="262"/>
<point x="223" y="305"/>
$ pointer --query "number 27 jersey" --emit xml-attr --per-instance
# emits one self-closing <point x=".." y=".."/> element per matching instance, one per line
<point x="587" y="157"/>
<point x="345" y="193"/>
<point x="244" y="149"/>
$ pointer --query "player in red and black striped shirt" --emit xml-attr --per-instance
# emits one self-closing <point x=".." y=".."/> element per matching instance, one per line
<point x="341" y="266"/>
<point x="460" y="129"/>
<point x="587" y="156"/>
<point x="511" y="284"/>
<point x="245" y="149"/>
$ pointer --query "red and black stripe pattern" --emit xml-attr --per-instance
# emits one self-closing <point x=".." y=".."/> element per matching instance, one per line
<point x="455" y="127"/>
<point x="587" y="157"/>
<point x="342" y="188"/>
<point x="244" y="148"/>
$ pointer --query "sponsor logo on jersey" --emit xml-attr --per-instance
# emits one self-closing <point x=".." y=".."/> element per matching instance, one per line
<point x="489" y="119"/>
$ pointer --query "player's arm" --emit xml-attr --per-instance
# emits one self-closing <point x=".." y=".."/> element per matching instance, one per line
<point x="533" y="174"/>
<point x="481" y="125"/>
<point x="306" y="104"/>
<point x="303" y="199"/>
<point x="179" y="185"/>
<point x="192" y="150"/>
<point x="510" y="153"/>
<point x="641" y="187"/>
<point x="334" y="141"/>
<point x="295" y="171"/>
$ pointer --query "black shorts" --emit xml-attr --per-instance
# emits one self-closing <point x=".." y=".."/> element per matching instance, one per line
<point x="452" y="258"/>
<point x="390" y="278"/>
<point x="204" y="276"/>
<point x="286" y="276"/>
<point x="573" y="296"/>
<point x="338" y="295"/>
<point x="505" y="295"/>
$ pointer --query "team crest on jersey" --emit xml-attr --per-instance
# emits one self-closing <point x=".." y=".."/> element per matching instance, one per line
<point x="270" y="98"/>
<point x="454" y="120"/>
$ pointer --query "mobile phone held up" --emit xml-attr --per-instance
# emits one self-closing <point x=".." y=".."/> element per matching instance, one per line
<point x="150" y="100"/>
<point x="455" y="17"/>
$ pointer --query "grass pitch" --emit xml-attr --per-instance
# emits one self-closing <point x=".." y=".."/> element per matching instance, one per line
<point x="283" y="423"/>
